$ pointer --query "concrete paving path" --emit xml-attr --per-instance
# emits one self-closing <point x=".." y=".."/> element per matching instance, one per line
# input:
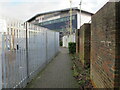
<point x="57" y="74"/>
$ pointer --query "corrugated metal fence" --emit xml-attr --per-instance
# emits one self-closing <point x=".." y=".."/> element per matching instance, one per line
<point x="24" y="50"/>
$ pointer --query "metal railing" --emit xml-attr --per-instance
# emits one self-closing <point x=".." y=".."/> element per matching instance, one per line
<point x="25" y="49"/>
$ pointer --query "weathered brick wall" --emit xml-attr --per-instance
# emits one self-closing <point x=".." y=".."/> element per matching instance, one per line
<point x="77" y="41"/>
<point x="85" y="34"/>
<point x="105" y="47"/>
<point x="117" y="64"/>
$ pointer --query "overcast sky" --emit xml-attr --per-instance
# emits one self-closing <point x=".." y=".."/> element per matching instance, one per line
<point x="25" y="9"/>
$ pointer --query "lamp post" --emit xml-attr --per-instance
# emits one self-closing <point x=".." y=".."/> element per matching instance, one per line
<point x="70" y="17"/>
<point x="80" y="11"/>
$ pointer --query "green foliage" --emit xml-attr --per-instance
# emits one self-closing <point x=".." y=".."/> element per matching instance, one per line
<point x="81" y="82"/>
<point x="75" y="73"/>
<point x="81" y="73"/>
<point x="61" y="43"/>
<point x="72" y="47"/>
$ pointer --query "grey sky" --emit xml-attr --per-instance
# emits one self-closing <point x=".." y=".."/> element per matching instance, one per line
<point x="25" y="9"/>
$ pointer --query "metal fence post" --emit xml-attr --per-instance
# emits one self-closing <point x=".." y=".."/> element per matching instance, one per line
<point x="0" y="69"/>
<point x="46" y="48"/>
<point x="27" y="52"/>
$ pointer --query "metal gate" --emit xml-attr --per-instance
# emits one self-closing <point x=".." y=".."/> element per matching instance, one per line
<point x="25" y="49"/>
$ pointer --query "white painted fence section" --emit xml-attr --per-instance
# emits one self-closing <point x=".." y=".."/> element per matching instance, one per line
<point x="68" y="38"/>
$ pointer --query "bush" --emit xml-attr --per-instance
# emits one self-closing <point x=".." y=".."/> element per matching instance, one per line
<point x="72" y="47"/>
<point x="61" y="43"/>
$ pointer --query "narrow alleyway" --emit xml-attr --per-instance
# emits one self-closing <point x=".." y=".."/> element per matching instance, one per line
<point x="57" y="74"/>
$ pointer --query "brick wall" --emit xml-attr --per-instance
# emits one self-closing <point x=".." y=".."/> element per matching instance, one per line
<point x="105" y="46"/>
<point x="77" y="41"/>
<point x="117" y="64"/>
<point x="85" y="34"/>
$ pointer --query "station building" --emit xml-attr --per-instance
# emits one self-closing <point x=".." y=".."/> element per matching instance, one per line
<point x="59" y="20"/>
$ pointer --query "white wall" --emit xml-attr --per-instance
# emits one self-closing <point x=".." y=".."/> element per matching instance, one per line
<point x="68" y="38"/>
<point x="85" y="18"/>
